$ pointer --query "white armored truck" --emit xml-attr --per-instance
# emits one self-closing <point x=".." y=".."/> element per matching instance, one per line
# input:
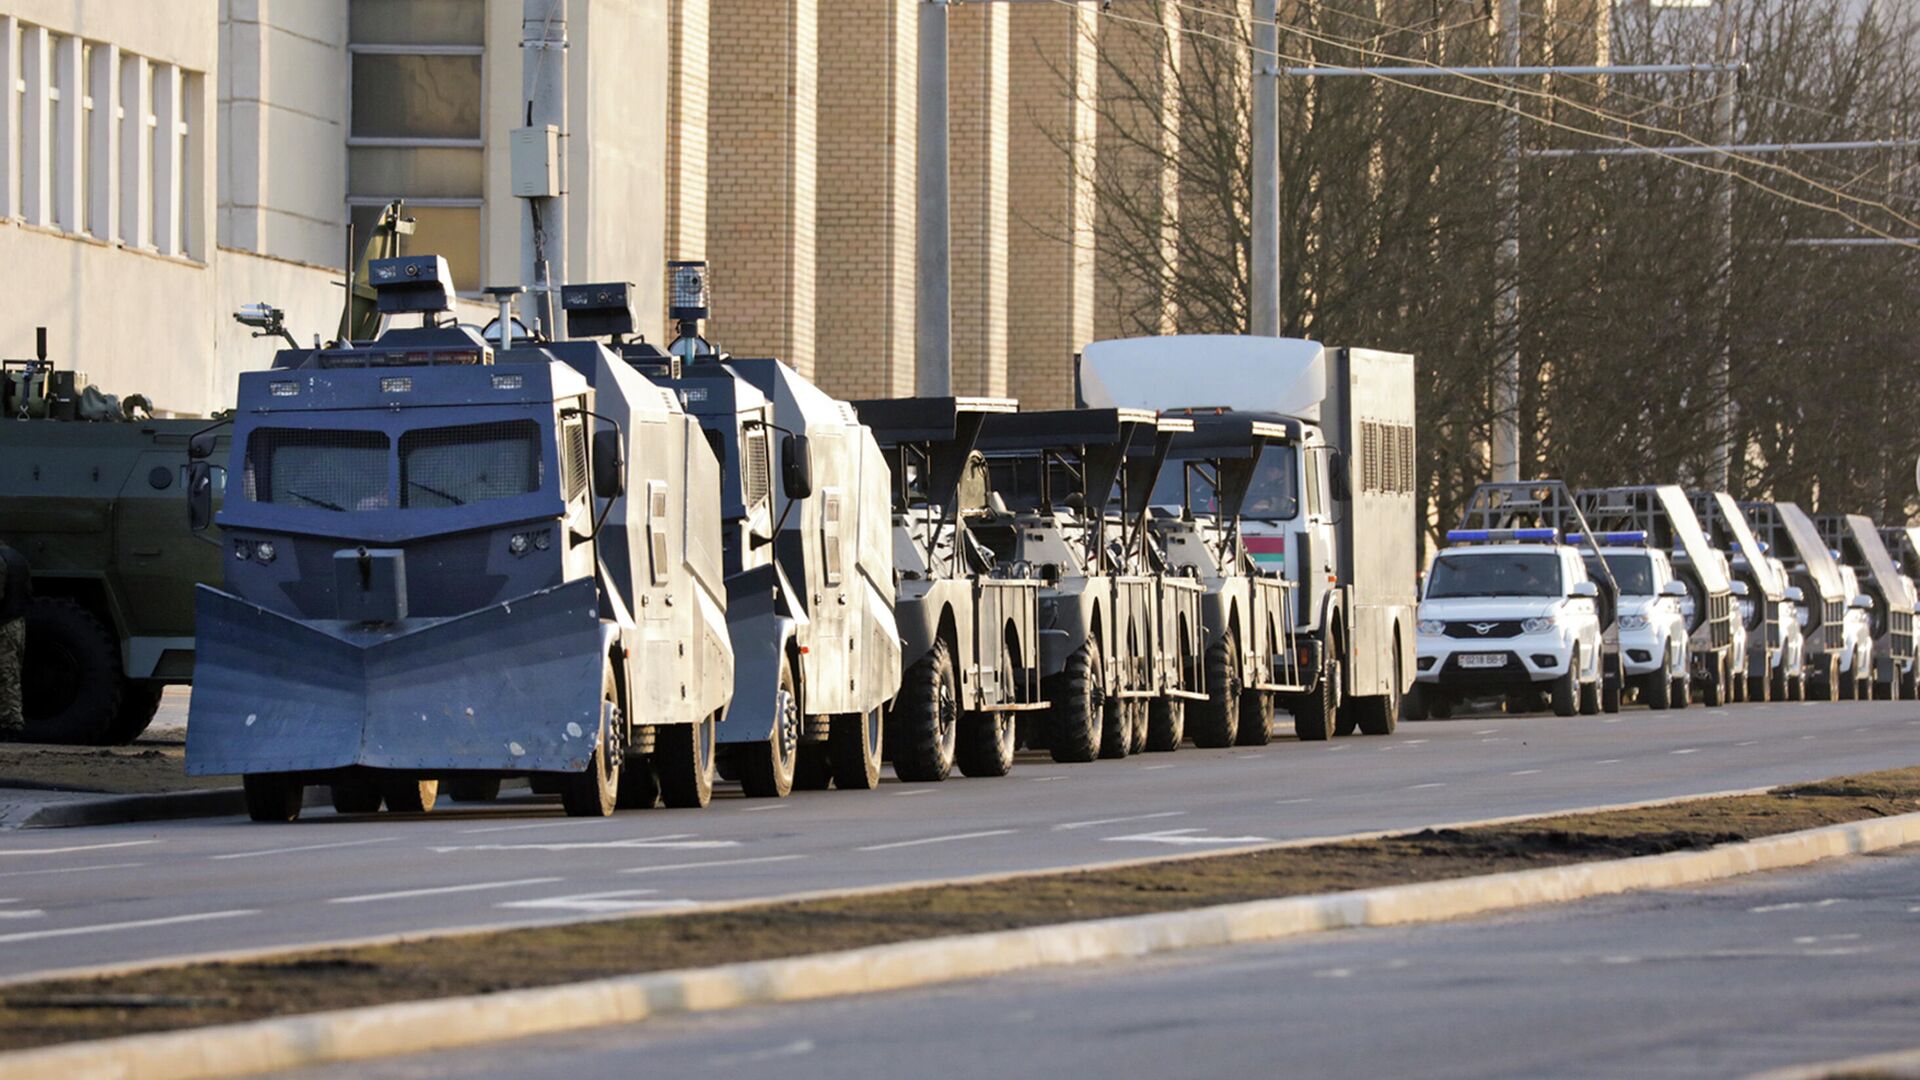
<point x="1330" y="505"/>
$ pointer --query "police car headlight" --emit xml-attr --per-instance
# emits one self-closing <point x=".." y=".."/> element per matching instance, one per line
<point x="264" y="551"/>
<point x="1633" y="622"/>
<point x="1432" y="626"/>
<point x="1540" y="625"/>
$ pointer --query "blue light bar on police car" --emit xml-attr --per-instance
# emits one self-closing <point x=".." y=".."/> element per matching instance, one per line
<point x="1631" y="538"/>
<point x="1485" y="536"/>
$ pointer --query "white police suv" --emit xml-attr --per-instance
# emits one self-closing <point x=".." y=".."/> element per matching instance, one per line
<point x="1653" y="619"/>
<point x="1510" y="611"/>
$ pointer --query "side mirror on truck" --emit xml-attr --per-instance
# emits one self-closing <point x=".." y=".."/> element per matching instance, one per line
<point x="1796" y="594"/>
<point x="1584" y="590"/>
<point x="199" y="495"/>
<point x="1863" y="602"/>
<point x="796" y="467"/>
<point x="609" y="465"/>
<point x="1339" y="483"/>
<point x="1674" y="588"/>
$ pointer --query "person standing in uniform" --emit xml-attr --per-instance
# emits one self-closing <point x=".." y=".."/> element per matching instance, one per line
<point x="15" y="590"/>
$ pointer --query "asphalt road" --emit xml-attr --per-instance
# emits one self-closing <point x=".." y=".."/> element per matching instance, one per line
<point x="1763" y="972"/>
<point x="79" y="898"/>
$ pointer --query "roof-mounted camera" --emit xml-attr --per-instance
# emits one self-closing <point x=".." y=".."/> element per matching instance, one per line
<point x="415" y="283"/>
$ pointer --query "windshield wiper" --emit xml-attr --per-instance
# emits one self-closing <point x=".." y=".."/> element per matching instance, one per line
<point x="321" y="503"/>
<point x="450" y="497"/>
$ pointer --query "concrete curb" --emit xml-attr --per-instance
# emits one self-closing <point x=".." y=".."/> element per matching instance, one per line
<point x="417" y="1027"/>
<point x="158" y="806"/>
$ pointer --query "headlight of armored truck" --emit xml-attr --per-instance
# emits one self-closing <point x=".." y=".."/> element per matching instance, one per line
<point x="264" y="551"/>
<point x="1432" y="626"/>
<point x="242" y="551"/>
<point x="518" y="544"/>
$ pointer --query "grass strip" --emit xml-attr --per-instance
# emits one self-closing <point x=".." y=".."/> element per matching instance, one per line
<point x="58" y="1011"/>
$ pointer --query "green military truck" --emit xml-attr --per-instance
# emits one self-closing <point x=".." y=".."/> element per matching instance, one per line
<point x="91" y="492"/>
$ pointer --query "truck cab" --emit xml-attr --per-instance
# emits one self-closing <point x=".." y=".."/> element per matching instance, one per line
<point x="1763" y="616"/>
<point x="1812" y="568"/>
<point x="1856" y="542"/>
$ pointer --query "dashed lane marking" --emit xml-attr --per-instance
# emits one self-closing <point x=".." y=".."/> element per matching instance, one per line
<point x="1685" y="750"/>
<point x="671" y="841"/>
<point x="478" y="886"/>
<point x="1117" y="820"/>
<point x="138" y="924"/>
<point x="303" y="847"/>
<point x="21" y="913"/>
<point x="1796" y="905"/>
<point x="1044" y="779"/>
<point x="913" y="791"/>
<point x="710" y="863"/>
<point x="796" y="1048"/>
<point x="1290" y="802"/>
<point x="535" y="825"/>
<point x="936" y="840"/>
<point x="1524" y="772"/>
<point x="1608" y="761"/>
<point x="764" y="809"/>
<point x="1419" y="787"/>
<point x="1487" y="731"/>
<point x="76" y="847"/>
<point x="597" y="902"/>
<point x="1749" y="742"/>
<point x="1184" y="837"/>
<point x="1154" y="768"/>
<point x="71" y="869"/>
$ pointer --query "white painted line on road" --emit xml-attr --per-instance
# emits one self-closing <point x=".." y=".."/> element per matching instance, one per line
<point x="1749" y="742"/>
<point x="1153" y="768"/>
<point x="1290" y="802"/>
<point x="711" y="862"/>
<point x="21" y="913"/>
<point x="914" y="791"/>
<point x="1183" y="837"/>
<point x="1796" y="905"/>
<point x="139" y="924"/>
<point x="1335" y="749"/>
<point x="1608" y="761"/>
<point x="616" y="900"/>
<point x="534" y="825"/>
<point x="71" y="869"/>
<point x="1806" y="738"/>
<point x="1118" y="820"/>
<point x="796" y="1048"/>
<point x="1497" y="738"/>
<point x="674" y="841"/>
<point x="1044" y="779"/>
<point x="1411" y="742"/>
<point x="1685" y="750"/>
<point x="764" y="809"/>
<point x="1419" y="787"/>
<point x="304" y="847"/>
<point x="1487" y="731"/>
<point x="1333" y="973"/>
<point x="477" y="886"/>
<point x="76" y="847"/>
<point x="936" y="840"/>
<point x="1524" y="772"/>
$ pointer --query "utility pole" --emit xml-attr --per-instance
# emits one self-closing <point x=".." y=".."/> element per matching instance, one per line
<point x="1505" y="451"/>
<point x="540" y="157"/>
<point x="1720" y="385"/>
<point x="933" y="350"/>
<point x="1264" y="271"/>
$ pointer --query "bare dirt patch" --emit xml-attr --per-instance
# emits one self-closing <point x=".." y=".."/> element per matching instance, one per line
<point x="116" y="770"/>
<point x="67" y="1010"/>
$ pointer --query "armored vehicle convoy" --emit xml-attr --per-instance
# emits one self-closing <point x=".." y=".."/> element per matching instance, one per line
<point x="449" y="562"/>
<point x="1890" y="614"/>
<point x="1812" y="568"/>
<point x="1762" y="610"/>
<point x="1054" y="474"/>
<point x="1179" y="626"/>
<point x="90" y="493"/>
<point x="968" y="616"/>
<point x="807" y="554"/>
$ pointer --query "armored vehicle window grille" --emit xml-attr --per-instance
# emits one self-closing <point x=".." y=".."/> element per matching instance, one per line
<point x="754" y="471"/>
<point x="454" y="466"/>
<point x="657" y="549"/>
<point x="327" y="470"/>
<point x="573" y="467"/>
<point x="830" y="535"/>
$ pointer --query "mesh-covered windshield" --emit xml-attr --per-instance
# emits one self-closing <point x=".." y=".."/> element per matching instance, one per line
<point x="454" y="466"/>
<point x="1517" y="573"/>
<point x="1273" y="495"/>
<point x="330" y="470"/>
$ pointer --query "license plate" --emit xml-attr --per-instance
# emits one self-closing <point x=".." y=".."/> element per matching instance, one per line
<point x="1483" y="660"/>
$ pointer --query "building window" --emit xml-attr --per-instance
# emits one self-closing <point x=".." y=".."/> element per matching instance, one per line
<point x="417" y="123"/>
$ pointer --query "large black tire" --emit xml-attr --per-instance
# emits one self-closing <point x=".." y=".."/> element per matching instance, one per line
<point x="639" y="788"/>
<point x="1849" y="687"/>
<point x="812" y="767"/>
<point x="1142" y="720"/>
<point x="926" y="719"/>
<point x="1076" y="716"/>
<point x="683" y="763"/>
<point x="1590" y="697"/>
<point x="1656" y="690"/>
<point x="1256" y="719"/>
<point x="71" y="685"/>
<point x="474" y="789"/>
<point x="766" y="768"/>
<point x="1380" y="714"/>
<point x="544" y="783"/>
<point x="1612" y="690"/>
<point x="273" y="797"/>
<point x="1565" y="690"/>
<point x="1907" y="679"/>
<point x="1116" y="728"/>
<point x="1682" y="695"/>
<point x="1440" y="705"/>
<point x="1777" y="687"/>
<point x="139" y="701"/>
<point x="1716" y="693"/>
<point x="1824" y="687"/>
<point x="595" y="790"/>
<point x="984" y="744"/>
<point x="1414" y="705"/>
<point x="1215" y="722"/>
<point x="1317" y="715"/>
<point x="414" y="796"/>
<point x="1166" y="724"/>
<point x="356" y="797"/>
<point x="854" y="744"/>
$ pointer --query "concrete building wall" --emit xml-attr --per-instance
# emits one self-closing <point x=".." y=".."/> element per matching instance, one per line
<point x="617" y="197"/>
<point x="868" y="187"/>
<point x="283" y="126"/>
<point x="1139" y="179"/>
<point x="762" y="157"/>
<point x="978" y="36"/>
<point x="688" y="41"/>
<point x="1054" y="85"/>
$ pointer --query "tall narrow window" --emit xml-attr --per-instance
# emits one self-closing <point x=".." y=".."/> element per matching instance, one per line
<point x="416" y="123"/>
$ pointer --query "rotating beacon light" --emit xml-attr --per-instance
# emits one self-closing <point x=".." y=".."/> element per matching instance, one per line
<point x="690" y="299"/>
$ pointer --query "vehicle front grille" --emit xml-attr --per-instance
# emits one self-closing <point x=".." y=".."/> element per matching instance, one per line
<point x="1494" y="628"/>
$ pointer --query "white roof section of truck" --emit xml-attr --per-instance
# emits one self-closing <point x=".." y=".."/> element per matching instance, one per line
<point x="1178" y="371"/>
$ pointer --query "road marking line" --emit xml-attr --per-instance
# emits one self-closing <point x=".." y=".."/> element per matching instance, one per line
<point x="1795" y="905"/>
<point x="305" y="847"/>
<point x="674" y="841"/>
<point x="1411" y="742"/>
<point x="535" y="825"/>
<point x="22" y="913"/>
<point x="72" y="869"/>
<point x="913" y="791"/>
<point x="1335" y="749"/>
<point x="1749" y="742"/>
<point x="1487" y="731"/>
<point x="1151" y="768"/>
<point x="138" y="924"/>
<point x="1184" y="837"/>
<point x="1044" y="779"/>
<point x="1686" y="750"/>
<point x="764" y="809"/>
<point x="796" y="1048"/>
<point x="936" y="840"/>
<point x="1524" y="772"/>
<point x="614" y="900"/>
<point x="1608" y="761"/>
<point x="1806" y="738"/>
<point x="1118" y="820"/>
<point x="1333" y="973"/>
<point x="711" y="862"/>
<point x="444" y="889"/>
<point x="1418" y="787"/>
<point x="1290" y="802"/>
<point x="76" y="847"/>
